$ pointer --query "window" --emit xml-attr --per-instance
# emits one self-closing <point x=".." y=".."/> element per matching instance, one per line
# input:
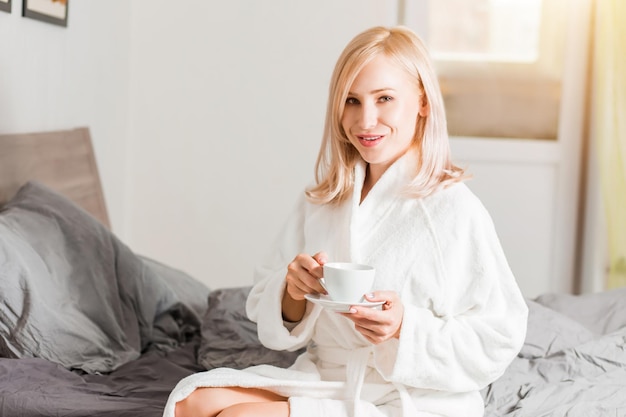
<point x="499" y="62"/>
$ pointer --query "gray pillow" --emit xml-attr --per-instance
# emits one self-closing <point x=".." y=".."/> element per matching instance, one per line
<point x="550" y="332"/>
<point x="229" y="338"/>
<point x="74" y="294"/>
<point x="193" y="293"/>
<point x="600" y="312"/>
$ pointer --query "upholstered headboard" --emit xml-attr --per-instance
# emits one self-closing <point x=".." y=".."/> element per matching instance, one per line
<point x="63" y="160"/>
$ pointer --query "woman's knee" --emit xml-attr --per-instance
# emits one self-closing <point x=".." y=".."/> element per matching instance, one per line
<point x="264" y="409"/>
<point x="203" y="402"/>
<point x="210" y="402"/>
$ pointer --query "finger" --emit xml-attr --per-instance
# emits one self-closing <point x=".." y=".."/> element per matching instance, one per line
<point x="363" y="318"/>
<point x="306" y="284"/>
<point x="311" y="264"/>
<point x="303" y="282"/>
<point x="372" y="335"/>
<point x="381" y="296"/>
<point x="296" y="289"/>
<point x="302" y="266"/>
<point x="366" y="314"/>
<point x="321" y="258"/>
<point x="315" y="285"/>
<point x="320" y="288"/>
<point x="390" y="298"/>
<point x="378" y="324"/>
<point x="314" y="271"/>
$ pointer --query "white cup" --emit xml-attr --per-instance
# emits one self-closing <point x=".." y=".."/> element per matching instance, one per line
<point x="348" y="282"/>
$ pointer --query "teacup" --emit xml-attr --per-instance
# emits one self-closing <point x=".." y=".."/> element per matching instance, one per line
<point x="348" y="282"/>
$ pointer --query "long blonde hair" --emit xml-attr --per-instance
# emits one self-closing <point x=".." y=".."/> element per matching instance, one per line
<point x="337" y="156"/>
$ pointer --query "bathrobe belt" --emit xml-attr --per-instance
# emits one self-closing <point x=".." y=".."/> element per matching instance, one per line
<point x="356" y="362"/>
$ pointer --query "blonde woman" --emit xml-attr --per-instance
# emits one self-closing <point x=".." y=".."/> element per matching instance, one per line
<point x="387" y="195"/>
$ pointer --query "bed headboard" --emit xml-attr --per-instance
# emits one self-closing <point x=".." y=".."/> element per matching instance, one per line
<point x="63" y="160"/>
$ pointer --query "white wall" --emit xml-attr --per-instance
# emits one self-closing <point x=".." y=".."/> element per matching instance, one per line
<point x="227" y="107"/>
<point x="60" y="78"/>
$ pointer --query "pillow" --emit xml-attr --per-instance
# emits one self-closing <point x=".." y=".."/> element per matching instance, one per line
<point x="185" y="288"/>
<point x="550" y="332"/>
<point x="601" y="312"/>
<point x="179" y="320"/>
<point x="70" y="291"/>
<point x="229" y="338"/>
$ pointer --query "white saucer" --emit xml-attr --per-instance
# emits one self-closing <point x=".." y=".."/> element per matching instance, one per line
<point x="339" y="306"/>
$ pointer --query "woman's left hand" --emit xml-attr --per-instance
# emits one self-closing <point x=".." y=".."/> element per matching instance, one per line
<point x="378" y="325"/>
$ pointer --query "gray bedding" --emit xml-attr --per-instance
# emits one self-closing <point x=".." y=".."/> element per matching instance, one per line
<point x="72" y="293"/>
<point x="35" y="387"/>
<point x="573" y="362"/>
<point x="88" y="328"/>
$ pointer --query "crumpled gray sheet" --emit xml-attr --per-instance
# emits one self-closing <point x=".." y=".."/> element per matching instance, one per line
<point x="229" y="338"/>
<point x="35" y="387"/>
<point x="573" y="362"/>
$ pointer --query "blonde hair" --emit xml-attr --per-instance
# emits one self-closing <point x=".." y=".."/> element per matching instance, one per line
<point x="337" y="156"/>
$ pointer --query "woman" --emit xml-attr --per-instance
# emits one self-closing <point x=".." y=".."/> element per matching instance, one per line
<point x="386" y="194"/>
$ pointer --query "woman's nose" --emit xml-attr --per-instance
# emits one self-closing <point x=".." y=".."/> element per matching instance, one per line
<point x="368" y="117"/>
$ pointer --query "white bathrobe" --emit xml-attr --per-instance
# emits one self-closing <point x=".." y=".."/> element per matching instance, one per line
<point x="464" y="319"/>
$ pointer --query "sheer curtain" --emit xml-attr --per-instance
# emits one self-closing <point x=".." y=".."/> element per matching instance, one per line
<point x="609" y="102"/>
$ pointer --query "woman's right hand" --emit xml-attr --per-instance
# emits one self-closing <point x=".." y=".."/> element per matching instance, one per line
<point x="303" y="275"/>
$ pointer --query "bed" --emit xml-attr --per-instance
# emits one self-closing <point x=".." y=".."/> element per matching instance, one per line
<point x="88" y="327"/>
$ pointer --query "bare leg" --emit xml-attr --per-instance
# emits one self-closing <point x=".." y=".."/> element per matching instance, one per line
<point x="210" y="402"/>
<point x="267" y="409"/>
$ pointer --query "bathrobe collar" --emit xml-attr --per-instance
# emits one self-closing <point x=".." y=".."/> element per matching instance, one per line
<point x="396" y="177"/>
<point x="368" y="216"/>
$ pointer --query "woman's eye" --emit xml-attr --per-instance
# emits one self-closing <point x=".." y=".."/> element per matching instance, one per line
<point x="385" y="98"/>
<point x="352" y="100"/>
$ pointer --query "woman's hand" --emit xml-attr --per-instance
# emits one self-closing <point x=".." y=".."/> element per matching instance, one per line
<point x="375" y="325"/>
<point x="303" y="277"/>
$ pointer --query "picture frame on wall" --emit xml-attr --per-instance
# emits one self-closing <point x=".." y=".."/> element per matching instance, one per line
<point x="5" y="5"/>
<point x="51" y="11"/>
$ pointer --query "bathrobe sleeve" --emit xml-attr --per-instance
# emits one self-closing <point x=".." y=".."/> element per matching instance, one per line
<point x="264" y="301"/>
<point x="473" y="322"/>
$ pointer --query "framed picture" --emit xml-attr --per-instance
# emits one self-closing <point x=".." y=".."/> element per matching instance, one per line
<point x="5" y="5"/>
<point x="51" y="11"/>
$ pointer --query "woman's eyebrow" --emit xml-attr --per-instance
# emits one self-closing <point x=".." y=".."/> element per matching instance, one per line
<point x="378" y="90"/>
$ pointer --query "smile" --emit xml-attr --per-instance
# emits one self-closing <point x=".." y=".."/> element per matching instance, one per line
<point x="370" y="138"/>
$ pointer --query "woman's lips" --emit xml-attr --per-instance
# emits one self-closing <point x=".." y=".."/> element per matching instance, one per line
<point x="370" y="140"/>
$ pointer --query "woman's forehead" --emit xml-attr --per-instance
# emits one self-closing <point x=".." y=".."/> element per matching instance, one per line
<point x="381" y="73"/>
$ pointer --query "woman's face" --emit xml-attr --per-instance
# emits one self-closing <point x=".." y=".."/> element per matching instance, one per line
<point x="381" y="112"/>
